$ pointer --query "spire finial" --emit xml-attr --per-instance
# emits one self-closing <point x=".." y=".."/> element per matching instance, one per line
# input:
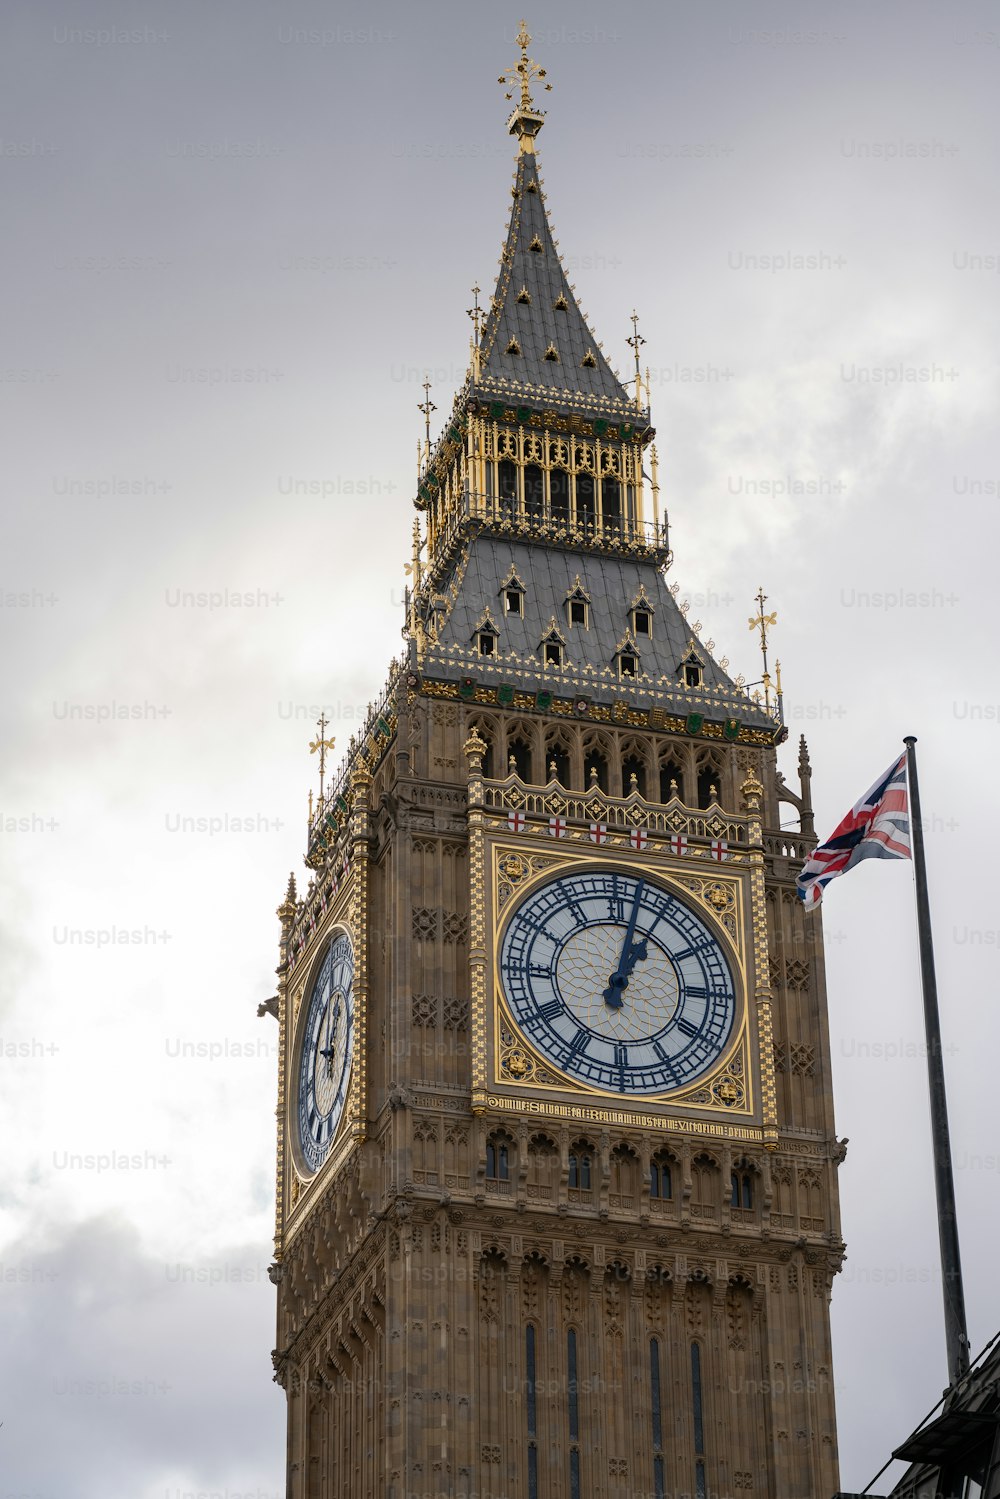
<point x="761" y="621"/>
<point x="475" y="312"/>
<point x="427" y="406"/>
<point x="635" y="343"/>
<point x="321" y="744"/>
<point x="525" y="120"/>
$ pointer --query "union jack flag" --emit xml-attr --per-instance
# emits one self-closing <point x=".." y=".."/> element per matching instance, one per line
<point x="876" y="827"/>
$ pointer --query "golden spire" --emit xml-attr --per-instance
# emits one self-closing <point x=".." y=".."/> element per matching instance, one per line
<point x="635" y="343"/>
<point x="525" y="120"/>
<point x="321" y="745"/>
<point x="761" y="621"/>
<point x="427" y="406"/>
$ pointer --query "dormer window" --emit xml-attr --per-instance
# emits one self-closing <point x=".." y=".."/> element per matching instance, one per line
<point x="513" y="601"/>
<point x="553" y="646"/>
<point x="578" y="606"/>
<point x="531" y="187"/>
<point x="524" y="296"/>
<point x="692" y="674"/>
<point x="628" y="663"/>
<point x="588" y="361"/>
<point x="560" y="304"/>
<point x="552" y="353"/>
<point x="486" y="636"/>
<point x="642" y="622"/>
<point x="513" y="347"/>
<point x="536" y="245"/>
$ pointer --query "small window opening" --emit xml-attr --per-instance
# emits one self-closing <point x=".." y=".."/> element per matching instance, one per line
<point x="660" y="1184"/>
<point x="588" y="361"/>
<point x="487" y="643"/>
<point x="628" y="664"/>
<point x="692" y="674"/>
<point x="553" y="653"/>
<point x="497" y="1164"/>
<point x="513" y="601"/>
<point x="524" y="296"/>
<point x="513" y="347"/>
<point x="552" y="353"/>
<point x="560" y="304"/>
<point x="578" y="612"/>
<point x="579" y="1171"/>
<point x="536" y="245"/>
<point x="643" y="622"/>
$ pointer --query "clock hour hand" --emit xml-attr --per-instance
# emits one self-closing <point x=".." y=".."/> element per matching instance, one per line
<point x="328" y="1051"/>
<point x="632" y="953"/>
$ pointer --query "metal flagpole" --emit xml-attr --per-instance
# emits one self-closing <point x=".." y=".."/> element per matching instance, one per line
<point x="956" y="1337"/>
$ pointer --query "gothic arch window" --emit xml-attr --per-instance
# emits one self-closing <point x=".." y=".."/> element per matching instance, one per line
<point x="811" y="1216"/>
<point x="624" y="1177"/>
<point x="486" y="729"/>
<point x="611" y="503"/>
<point x="661" y="1177"/>
<point x="581" y="1166"/>
<point x="741" y="1194"/>
<point x="512" y="593"/>
<point x="595" y="769"/>
<point x="534" y="492"/>
<point x="705" y="1186"/>
<point x="519" y="753"/>
<point x="543" y="1167"/>
<point x="559" y="496"/>
<point x="487" y="636"/>
<point x="782" y="1213"/>
<point x="671" y="781"/>
<point x="557" y="758"/>
<point x="507" y="486"/>
<point x="586" y="502"/>
<point x="499" y="1157"/>
<point x="709" y="780"/>
<point x="633" y="765"/>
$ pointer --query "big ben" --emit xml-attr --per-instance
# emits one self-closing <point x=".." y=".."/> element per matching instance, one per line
<point x="557" y="1210"/>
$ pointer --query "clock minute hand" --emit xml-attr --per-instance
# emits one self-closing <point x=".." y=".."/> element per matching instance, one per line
<point x="630" y="955"/>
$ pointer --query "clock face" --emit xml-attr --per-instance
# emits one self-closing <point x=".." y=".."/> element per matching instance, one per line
<point x="618" y="982"/>
<point x="327" y="1048"/>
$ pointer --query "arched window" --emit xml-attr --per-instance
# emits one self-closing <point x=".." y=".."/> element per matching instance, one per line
<point x="581" y="1161"/>
<point x="497" y="1159"/>
<point x="586" y="506"/>
<point x="559" y="495"/>
<point x="534" y="492"/>
<point x="741" y="1190"/>
<point x="557" y="763"/>
<point x="595" y="770"/>
<point x="611" y="503"/>
<point x="709" y="776"/>
<point x="624" y="1177"/>
<point x="507" y="485"/>
<point x="671" y="781"/>
<point x="519" y="758"/>
<point x="661" y="1185"/>
<point x="632" y="765"/>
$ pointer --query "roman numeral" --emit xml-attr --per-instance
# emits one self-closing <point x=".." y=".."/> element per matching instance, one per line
<point x="683" y="1024"/>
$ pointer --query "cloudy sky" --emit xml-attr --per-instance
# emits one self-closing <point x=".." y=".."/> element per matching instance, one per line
<point x="236" y="237"/>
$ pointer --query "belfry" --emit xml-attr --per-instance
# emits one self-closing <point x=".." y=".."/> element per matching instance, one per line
<point x="557" y="1207"/>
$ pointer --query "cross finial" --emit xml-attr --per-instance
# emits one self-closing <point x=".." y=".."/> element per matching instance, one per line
<point x="526" y="120"/>
<point x="321" y="744"/>
<point x="760" y="621"/>
<point x="635" y="343"/>
<point x="427" y="406"/>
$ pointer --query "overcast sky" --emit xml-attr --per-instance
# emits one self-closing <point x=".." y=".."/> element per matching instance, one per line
<point x="236" y="235"/>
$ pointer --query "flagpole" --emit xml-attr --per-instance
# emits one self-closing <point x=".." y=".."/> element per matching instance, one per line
<point x="956" y="1337"/>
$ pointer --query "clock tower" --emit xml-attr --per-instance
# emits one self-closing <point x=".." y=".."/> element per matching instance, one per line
<point x="557" y="1208"/>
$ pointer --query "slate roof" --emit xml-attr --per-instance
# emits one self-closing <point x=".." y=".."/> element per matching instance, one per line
<point x="549" y="575"/>
<point x="538" y="324"/>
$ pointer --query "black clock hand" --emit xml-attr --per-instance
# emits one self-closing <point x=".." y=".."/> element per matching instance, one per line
<point x="631" y="953"/>
<point x="328" y="1051"/>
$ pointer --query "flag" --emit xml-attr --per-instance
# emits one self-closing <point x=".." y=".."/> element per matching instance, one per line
<point x="877" y="827"/>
